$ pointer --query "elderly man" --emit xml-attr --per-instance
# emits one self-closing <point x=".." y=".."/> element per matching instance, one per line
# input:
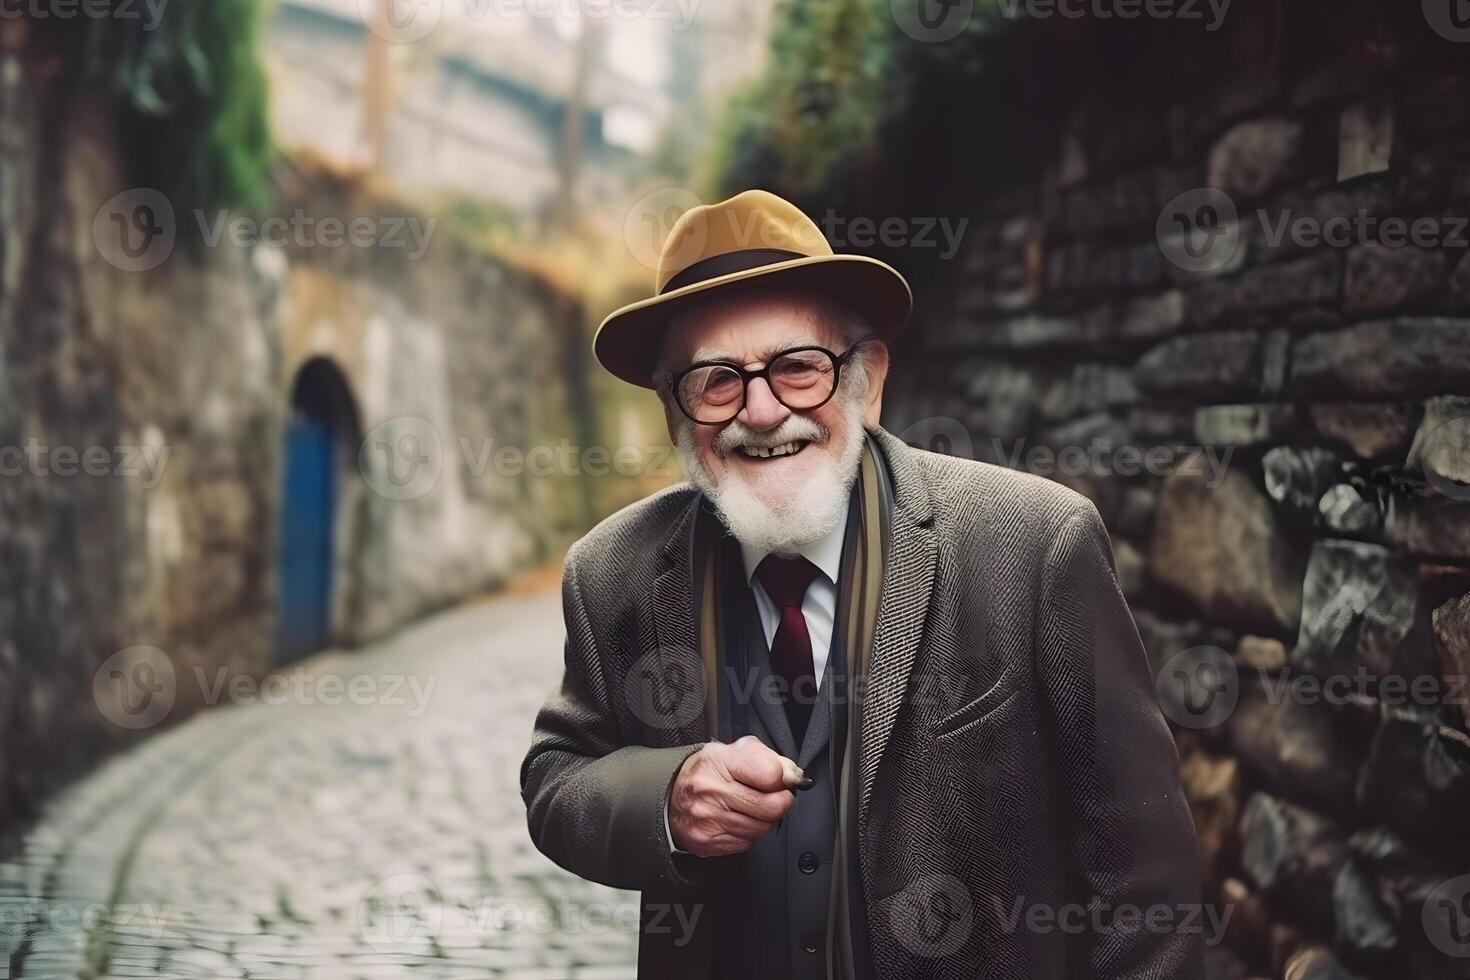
<point x="839" y="707"/>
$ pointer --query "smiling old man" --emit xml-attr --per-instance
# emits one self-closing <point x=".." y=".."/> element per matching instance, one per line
<point x="836" y="706"/>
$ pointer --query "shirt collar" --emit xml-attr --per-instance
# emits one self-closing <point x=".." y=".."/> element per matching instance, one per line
<point x="825" y="552"/>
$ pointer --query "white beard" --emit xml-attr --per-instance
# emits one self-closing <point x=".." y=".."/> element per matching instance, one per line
<point x="804" y="512"/>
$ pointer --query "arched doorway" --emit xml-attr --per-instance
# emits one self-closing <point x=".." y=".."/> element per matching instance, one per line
<point x="319" y="434"/>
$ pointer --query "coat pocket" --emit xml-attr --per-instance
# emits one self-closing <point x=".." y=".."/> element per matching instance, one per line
<point x="975" y="713"/>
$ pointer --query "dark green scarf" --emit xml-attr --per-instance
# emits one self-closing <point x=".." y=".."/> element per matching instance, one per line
<point x="860" y="582"/>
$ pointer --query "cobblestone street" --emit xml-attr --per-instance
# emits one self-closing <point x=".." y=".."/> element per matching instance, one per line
<point x="307" y="839"/>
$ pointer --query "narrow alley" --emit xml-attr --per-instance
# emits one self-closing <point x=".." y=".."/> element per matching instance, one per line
<point x="310" y="839"/>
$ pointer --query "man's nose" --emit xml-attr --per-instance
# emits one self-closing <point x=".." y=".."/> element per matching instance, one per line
<point x="762" y="410"/>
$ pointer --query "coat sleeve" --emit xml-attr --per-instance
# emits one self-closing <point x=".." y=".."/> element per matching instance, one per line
<point x="595" y="805"/>
<point x="1132" y="841"/>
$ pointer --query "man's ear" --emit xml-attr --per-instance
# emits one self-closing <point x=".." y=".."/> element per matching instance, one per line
<point x="875" y="362"/>
<point x="671" y="416"/>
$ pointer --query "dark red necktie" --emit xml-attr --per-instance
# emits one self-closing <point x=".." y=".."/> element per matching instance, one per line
<point x="786" y="581"/>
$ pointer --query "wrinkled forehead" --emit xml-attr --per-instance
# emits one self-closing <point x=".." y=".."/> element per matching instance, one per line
<point x="749" y="327"/>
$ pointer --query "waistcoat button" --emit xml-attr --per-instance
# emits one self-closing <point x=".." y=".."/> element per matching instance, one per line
<point x="808" y="863"/>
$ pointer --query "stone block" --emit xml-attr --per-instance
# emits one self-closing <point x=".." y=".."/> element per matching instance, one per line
<point x="1091" y="267"/>
<point x="1268" y="289"/>
<point x="1441" y="448"/>
<point x="1213" y="787"/>
<point x="1352" y="509"/>
<point x="1363" y="924"/>
<point x="1262" y="653"/>
<point x="1383" y="359"/>
<point x="1254" y="156"/>
<point x="1437" y="528"/>
<point x="1248" y="927"/>
<point x="1203" y="367"/>
<point x="1034" y="331"/>
<point x="1390" y="860"/>
<point x="1103" y="386"/>
<point x="1220" y="547"/>
<point x="1452" y="643"/>
<point x="1162" y="638"/>
<point x="1378" y="432"/>
<point x="1292" y="745"/>
<point x="1128" y="200"/>
<point x="1365" y="138"/>
<point x="1379" y="279"/>
<point x="1316" y="963"/>
<point x="1460" y="283"/>
<point x="1243" y="425"/>
<point x="1416" y="778"/>
<point x="1162" y="425"/>
<point x="1278" y="233"/>
<point x="1007" y="398"/>
<point x="1297" y="478"/>
<point x="1358" y="605"/>
<point x="1152" y="316"/>
<point x="1275" y="359"/>
<point x="1293" y="854"/>
<point x="1088" y="388"/>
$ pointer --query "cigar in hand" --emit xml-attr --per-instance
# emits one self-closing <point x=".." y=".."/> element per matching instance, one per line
<point x="792" y="776"/>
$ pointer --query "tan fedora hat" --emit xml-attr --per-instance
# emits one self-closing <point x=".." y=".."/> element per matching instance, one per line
<point x="752" y="236"/>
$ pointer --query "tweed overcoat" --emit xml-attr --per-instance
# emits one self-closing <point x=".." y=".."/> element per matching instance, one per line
<point x="1020" y="809"/>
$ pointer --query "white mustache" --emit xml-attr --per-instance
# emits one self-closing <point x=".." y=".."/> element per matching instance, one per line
<point x="796" y="427"/>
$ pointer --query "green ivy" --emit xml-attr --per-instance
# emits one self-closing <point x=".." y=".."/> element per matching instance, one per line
<point x="194" y="99"/>
<point x="822" y="97"/>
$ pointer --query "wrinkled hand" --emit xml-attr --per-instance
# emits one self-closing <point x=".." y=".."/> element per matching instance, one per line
<point x="726" y="797"/>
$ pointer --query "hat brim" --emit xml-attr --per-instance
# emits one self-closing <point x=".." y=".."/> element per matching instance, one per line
<point x="629" y="340"/>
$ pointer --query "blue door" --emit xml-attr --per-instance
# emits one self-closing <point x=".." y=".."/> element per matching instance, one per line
<point x="308" y="506"/>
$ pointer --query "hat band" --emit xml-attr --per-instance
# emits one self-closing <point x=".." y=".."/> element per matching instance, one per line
<point x="731" y="262"/>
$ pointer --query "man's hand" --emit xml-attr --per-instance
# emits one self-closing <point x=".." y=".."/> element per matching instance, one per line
<point x="726" y="797"/>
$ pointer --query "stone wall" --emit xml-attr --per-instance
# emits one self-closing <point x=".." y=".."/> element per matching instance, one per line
<point x="1276" y="434"/>
<point x="142" y="421"/>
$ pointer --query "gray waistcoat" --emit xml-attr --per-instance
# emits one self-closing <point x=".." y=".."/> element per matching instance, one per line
<point x="782" y="885"/>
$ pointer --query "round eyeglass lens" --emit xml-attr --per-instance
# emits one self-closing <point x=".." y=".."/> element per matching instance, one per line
<point x="803" y="378"/>
<point x="712" y="393"/>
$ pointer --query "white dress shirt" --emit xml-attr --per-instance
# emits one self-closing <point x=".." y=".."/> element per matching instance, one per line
<point x="819" y="607"/>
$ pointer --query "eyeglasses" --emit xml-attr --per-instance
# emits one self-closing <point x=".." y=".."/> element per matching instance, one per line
<point x="803" y="378"/>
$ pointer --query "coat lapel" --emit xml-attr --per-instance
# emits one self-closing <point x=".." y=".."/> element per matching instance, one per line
<point x="674" y="619"/>
<point x="908" y="583"/>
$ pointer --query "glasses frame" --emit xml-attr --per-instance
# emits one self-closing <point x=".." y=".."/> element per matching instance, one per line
<point x="747" y="376"/>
